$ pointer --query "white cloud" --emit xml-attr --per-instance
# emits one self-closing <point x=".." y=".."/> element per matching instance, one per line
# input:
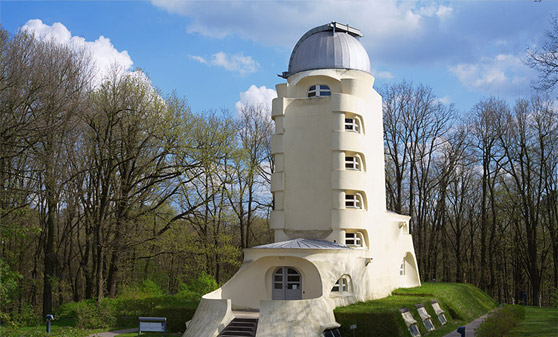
<point x="198" y="58"/>
<point x="382" y="74"/>
<point x="502" y="74"/>
<point x="255" y="96"/>
<point x="446" y="100"/>
<point x="238" y="63"/>
<point x="283" y="22"/>
<point x="444" y="12"/>
<point x="103" y="53"/>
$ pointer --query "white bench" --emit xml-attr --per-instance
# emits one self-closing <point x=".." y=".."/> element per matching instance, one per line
<point x="152" y="324"/>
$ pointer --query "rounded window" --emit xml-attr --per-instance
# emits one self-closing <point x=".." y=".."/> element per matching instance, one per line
<point x="319" y="90"/>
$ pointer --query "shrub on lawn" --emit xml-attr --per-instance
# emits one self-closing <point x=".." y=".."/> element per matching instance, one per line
<point x="501" y="321"/>
<point x="176" y="310"/>
<point x="25" y="316"/>
<point x="88" y="315"/>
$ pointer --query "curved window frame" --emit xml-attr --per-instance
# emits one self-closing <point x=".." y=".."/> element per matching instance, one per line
<point x="353" y="162"/>
<point x="319" y="90"/>
<point x="342" y="285"/>
<point x="354" y="201"/>
<point x="353" y="124"/>
<point x="357" y="239"/>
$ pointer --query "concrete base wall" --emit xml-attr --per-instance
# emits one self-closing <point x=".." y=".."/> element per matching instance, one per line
<point x="308" y="318"/>
<point x="211" y="317"/>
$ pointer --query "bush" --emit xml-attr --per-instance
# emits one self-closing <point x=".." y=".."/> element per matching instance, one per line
<point x="554" y="300"/>
<point x="145" y="289"/>
<point x="500" y="322"/>
<point x="124" y="312"/>
<point x="25" y="316"/>
<point x="88" y="315"/>
<point x="197" y="287"/>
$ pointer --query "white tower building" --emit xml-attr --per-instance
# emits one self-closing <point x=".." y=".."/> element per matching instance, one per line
<point x="335" y="242"/>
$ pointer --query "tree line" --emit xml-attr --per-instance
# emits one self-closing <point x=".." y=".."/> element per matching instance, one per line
<point x="481" y="189"/>
<point x="105" y="183"/>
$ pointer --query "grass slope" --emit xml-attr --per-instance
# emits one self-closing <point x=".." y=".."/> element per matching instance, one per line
<point x="461" y="302"/>
<point x="540" y="322"/>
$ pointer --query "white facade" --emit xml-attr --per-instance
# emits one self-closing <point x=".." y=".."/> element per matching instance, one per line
<point x="328" y="185"/>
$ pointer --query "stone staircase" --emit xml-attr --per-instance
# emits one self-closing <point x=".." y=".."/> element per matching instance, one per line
<point x="240" y="327"/>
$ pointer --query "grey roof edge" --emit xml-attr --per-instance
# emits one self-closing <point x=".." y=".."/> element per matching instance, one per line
<point x="301" y="243"/>
<point x="286" y="74"/>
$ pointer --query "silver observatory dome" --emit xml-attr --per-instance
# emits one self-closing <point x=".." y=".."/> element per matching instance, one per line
<point x="331" y="46"/>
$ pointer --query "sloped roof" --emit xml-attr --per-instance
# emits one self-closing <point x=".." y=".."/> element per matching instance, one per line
<point x="303" y="244"/>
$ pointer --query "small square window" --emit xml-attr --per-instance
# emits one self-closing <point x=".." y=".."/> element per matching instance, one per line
<point x="353" y="201"/>
<point x="352" y="124"/>
<point x="353" y="239"/>
<point x="352" y="163"/>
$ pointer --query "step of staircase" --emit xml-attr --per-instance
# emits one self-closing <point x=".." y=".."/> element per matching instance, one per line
<point x="240" y="327"/>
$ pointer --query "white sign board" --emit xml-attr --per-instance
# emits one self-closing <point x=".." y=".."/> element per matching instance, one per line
<point x="152" y="326"/>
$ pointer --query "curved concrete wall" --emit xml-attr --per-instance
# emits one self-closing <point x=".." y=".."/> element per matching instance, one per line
<point x="253" y="282"/>
<point x="310" y="144"/>
<point x="210" y="318"/>
<point x="308" y="318"/>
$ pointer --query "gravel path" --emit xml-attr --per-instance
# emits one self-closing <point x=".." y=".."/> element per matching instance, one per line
<point x="469" y="328"/>
<point x="113" y="333"/>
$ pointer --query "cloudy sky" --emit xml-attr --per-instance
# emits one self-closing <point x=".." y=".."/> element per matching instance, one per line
<point x="222" y="54"/>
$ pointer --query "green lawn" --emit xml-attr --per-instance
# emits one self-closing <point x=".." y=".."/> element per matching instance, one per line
<point x="381" y="318"/>
<point x="150" y="334"/>
<point x="40" y="331"/>
<point x="539" y="322"/>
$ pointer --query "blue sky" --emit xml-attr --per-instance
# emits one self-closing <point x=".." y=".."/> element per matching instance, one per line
<point x="217" y="53"/>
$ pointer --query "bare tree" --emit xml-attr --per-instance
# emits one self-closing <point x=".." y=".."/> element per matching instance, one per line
<point x="251" y="169"/>
<point x="545" y="59"/>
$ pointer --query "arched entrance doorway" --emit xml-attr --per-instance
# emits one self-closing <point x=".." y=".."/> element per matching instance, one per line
<point x="287" y="284"/>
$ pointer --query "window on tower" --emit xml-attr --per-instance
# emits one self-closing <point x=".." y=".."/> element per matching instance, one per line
<point x="352" y="124"/>
<point x="352" y="163"/>
<point x="319" y="90"/>
<point x="353" y="200"/>
<point x="354" y="239"/>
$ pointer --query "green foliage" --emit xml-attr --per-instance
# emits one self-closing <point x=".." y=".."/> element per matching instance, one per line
<point x="555" y="298"/>
<point x="197" y="287"/>
<point x="88" y="314"/>
<point x="464" y="301"/>
<point x="25" y="316"/>
<point x="8" y="284"/>
<point x="381" y="318"/>
<point x="145" y="289"/>
<point x="500" y="322"/>
<point x="538" y="322"/>
<point x="39" y="331"/>
<point x="124" y="312"/>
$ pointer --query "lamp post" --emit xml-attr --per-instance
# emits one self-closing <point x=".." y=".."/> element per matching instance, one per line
<point x="49" y="318"/>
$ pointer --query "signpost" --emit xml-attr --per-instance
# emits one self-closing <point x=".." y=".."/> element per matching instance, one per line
<point x="152" y="324"/>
